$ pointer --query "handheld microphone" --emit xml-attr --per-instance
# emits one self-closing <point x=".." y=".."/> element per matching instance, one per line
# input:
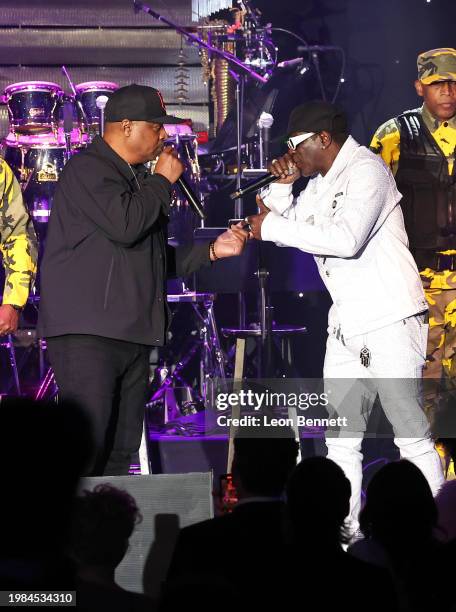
<point x="263" y="181"/>
<point x="191" y="197"/>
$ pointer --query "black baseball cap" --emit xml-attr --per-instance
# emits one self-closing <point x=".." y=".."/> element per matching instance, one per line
<point x="138" y="103"/>
<point x="317" y="116"/>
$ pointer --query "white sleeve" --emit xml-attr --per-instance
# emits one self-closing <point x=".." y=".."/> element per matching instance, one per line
<point x="369" y="198"/>
<point x="277" y="197"/>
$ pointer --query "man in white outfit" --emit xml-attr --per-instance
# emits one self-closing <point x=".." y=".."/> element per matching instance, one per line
<point x="350" y="219"/>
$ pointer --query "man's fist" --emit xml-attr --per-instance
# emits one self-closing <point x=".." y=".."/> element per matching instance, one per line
<point x="285" y="168"/>
<point x="9" y="319"/>
<point x="169" y="165"/>
<point x="231" y="242"/>
<point x="256" y="221"/>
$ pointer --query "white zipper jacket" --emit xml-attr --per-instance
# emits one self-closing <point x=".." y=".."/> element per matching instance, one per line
<point x="351" y="221"/>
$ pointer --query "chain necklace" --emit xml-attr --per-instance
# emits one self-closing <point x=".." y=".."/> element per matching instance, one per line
<point x="135" y="177"/>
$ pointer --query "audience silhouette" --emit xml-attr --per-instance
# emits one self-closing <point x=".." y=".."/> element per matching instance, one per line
<point x="103" y="521"/>
<point x="281" y="547"/>
<point x="243" y="547"/>
<point x="323" y="574"/>
<point x="44" y="447"/>
<point x="399" y="521"/>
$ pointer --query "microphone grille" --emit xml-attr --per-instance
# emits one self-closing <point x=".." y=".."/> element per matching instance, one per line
<point x="101" y="102"/>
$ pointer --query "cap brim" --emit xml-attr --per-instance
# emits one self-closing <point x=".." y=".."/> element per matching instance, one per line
<point x="435" y="78"/>
<point x="169" y="119"/>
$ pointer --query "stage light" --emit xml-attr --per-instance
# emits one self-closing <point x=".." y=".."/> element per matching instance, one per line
<point x="300" y="294"/>
<point x="342" y="80"/>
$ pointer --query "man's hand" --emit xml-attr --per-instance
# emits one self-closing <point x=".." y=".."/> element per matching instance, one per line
<point x="9" y="319"/>
<point x="169" y="165"/>
<point x="256" y="221"/>
<point x="285" y="168"/>
<point x="231" y="242"/>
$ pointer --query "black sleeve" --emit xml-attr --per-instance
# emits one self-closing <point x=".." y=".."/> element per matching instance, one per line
<point x="186" y="259"/>
<point x="122" y="215"/>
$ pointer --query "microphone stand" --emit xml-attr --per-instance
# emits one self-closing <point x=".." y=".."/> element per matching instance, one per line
<point x="78" y="102"/>
<point x="241" y="71"/>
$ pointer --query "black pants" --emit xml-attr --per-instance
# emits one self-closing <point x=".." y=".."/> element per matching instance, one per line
<point x="108" y="379"/>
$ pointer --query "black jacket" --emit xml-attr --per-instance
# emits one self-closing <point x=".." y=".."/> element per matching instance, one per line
<point x="106" y="259"/>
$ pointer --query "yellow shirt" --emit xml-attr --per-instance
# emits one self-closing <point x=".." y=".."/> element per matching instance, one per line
<point x="386" y="142"/>
<point x="18" y="244"/>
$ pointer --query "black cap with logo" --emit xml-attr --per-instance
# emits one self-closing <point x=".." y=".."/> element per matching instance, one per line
<point x="316" y="117"/>
<point x="138" y="103"/>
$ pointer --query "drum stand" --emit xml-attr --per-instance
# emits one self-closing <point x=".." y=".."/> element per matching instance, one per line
<point x="212" y="364"/>
<point x="9" y="346"/>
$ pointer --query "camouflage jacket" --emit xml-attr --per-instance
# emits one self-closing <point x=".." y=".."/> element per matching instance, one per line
<point x="18" y="243"/>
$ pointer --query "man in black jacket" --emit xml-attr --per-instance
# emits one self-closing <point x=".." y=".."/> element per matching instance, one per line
<point x="103" y="293"/>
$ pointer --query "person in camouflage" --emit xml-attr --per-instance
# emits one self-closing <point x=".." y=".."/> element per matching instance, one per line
<point x="18" y="247"/>
<point x="419" y="146"/>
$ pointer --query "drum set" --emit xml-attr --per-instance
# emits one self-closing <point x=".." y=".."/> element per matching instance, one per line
<point x="39" y="144"/>
<point x="36" y="148"/>
<point x="46" y="127"/>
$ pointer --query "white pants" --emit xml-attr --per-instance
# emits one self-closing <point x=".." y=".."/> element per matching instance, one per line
<point x="397" y="355"/>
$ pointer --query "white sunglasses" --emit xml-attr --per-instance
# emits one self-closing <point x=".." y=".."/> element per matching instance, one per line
<point x="293" y="142"/>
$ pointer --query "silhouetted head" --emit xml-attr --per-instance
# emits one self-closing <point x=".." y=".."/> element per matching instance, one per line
<point x="261" y="465"/>
<point x="44" y="449"/>
<point x="103" y="521"/>
<point x="399" y="506"/>
<point x="318" y="501"/>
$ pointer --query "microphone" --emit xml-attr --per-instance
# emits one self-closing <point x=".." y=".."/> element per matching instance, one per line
<point x="101" y="103"/>
<point x="264" y="122"/>
<point x="191" y="197"/>
<point x="263" y="181"/>
<point x="290" y="63"/>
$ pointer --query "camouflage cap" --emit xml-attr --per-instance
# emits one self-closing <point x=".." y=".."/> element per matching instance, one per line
<point x="437" y="65"/>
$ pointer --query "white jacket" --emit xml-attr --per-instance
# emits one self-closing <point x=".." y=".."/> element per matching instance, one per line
<point x="351" y="221"/>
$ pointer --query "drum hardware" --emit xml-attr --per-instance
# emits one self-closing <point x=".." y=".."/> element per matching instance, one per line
<point x="212" y="366"/>
<point x="67" y="128"/>
<point x="76" y="99"/>
<point x="8" y="343"/>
